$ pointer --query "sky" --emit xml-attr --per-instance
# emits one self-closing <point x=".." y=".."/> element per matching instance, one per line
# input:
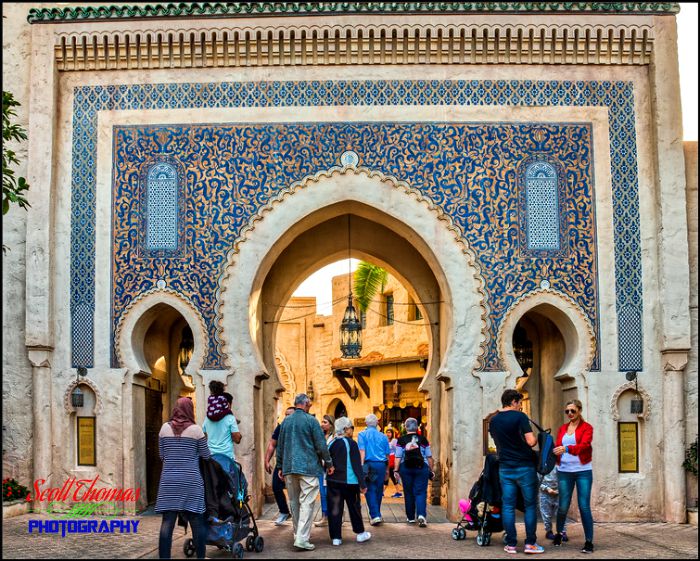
<point x="319" y="284"/>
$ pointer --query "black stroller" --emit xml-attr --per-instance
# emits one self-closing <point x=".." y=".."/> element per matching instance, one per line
<point x="481" y="513"/>
<point x="228" y="515"/>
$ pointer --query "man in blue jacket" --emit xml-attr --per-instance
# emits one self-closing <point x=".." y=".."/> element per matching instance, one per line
<point x="301" y="452"/>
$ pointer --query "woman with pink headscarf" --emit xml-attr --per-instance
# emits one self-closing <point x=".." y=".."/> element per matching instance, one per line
<point x="181" y="491"/>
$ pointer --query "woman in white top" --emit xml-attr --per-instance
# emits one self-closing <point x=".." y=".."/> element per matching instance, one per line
<point x="575" y="451"/>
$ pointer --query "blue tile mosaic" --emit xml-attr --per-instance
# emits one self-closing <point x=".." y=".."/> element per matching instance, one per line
<point x="617" y="97"/>
<point x="469" y="170"/>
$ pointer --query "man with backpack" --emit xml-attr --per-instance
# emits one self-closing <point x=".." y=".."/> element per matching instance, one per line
<point x="414" y="462"/>
<point x="511" y="431"/>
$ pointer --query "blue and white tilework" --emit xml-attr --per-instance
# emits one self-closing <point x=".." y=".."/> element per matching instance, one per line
<point x="616" y="96"/>
<point x="469" y="170"/>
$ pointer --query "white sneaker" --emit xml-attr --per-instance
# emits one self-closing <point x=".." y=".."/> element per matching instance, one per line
<point x="281" y="519"/>
<point x="409" y="521"/>
<point x="422" y="522"/>
<point x="337" y="542"/>
<point x="376" y="520"/>
<point x="304" y="545"/>
<point x="363" y="537"/>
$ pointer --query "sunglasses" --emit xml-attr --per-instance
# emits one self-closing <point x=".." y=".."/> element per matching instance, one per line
<point x="350" y="427"/>
<point x="570" y="411"/>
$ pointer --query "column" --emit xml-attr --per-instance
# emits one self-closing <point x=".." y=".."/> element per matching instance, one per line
<point x="40" y="358"/>
<point x="674" y="363"/>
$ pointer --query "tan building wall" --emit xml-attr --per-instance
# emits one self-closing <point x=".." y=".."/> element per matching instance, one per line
<point x="386" y="349"/>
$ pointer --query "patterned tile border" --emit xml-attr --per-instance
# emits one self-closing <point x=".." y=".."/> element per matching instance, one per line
<point x="616" y="96"/>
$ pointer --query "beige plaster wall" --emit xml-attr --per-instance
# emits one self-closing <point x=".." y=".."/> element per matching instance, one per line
<point x="691" y="373"/>
<point x="17" y="371"/>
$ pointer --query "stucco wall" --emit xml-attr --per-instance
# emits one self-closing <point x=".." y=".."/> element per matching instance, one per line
<point x="16" y="368"/>
<point x="691" y="373"/>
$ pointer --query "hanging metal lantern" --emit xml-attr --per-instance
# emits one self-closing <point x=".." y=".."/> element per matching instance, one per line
<point x="310" y="391"/>
<point x="77" y="398"/>
<point x="186" y="348"/>
<point x="637" y="405"/>
<point x="522" y="348"/>
<point x="350" y="333"/>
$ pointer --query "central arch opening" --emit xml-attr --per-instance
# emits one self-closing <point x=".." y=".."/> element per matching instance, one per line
<point x="368" y="384"/>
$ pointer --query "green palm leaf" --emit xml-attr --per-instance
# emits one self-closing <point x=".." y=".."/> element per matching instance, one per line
<point x="369" y="279"/>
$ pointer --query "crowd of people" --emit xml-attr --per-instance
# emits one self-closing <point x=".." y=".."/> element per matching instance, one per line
<point x="313" y="458"/>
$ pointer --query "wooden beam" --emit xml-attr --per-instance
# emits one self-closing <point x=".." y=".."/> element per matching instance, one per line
<point x="359" y="376"/>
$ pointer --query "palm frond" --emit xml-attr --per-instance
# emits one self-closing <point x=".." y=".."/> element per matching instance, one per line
<point x="368" y="280"/>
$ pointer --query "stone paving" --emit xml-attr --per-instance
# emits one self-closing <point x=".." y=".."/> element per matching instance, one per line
<point x="390" y="540"/>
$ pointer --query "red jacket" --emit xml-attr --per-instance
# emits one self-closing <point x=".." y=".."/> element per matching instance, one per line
<point x="584" y="439"/>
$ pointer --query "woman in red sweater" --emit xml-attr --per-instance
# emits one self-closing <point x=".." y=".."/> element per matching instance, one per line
<point x="573" y="446"/>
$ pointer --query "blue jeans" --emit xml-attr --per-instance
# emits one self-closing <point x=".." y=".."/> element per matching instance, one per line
<point x="415" y="489"/>
<point x="583" y="481"/>
<point x="199" y="533"/>
<point x="375" y="487"/>
<point x="525" y="479"/>
<point x="324" y="491"/>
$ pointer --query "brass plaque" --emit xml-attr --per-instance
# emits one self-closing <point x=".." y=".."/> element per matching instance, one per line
<point x="628" y="447"/>
<point x="87" y="455"/>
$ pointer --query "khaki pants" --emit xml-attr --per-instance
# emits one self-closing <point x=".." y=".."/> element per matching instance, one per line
<point x="303" y="490"/>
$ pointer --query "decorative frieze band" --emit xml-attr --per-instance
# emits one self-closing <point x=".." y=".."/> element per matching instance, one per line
<point x="366" y="44"/>
<point x="237" y="9"/>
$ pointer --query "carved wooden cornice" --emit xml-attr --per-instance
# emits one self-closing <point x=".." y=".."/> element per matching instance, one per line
<point x="372" y="43"/>
<point x="247" y="9"/>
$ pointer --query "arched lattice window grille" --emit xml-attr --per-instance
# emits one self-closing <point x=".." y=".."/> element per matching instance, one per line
<point x="162" y="220"/>
<point x="542" y="207"/>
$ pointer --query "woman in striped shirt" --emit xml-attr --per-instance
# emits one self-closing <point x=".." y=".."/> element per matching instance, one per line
<point x="181" y="490"/>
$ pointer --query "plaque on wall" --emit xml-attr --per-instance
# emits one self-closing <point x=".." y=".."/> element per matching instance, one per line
<point x="628" y="447"/>
<point x="87" y="455"/>
<point x="489" y="446"/>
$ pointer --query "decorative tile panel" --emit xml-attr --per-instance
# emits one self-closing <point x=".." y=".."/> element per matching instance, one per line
<point x="467" y="169"/>
<point x="542" y="207"/>
<point x="616" y="96"/>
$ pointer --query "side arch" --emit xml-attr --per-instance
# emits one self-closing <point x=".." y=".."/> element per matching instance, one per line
<point x="570" y="319"/>
<point x="137" y="318"/>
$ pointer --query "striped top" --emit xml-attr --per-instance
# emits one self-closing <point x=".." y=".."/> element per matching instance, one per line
<point x="181" y="484"/>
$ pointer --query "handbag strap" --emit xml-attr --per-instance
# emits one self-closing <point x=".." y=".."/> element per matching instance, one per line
<point x="538" y="427"/>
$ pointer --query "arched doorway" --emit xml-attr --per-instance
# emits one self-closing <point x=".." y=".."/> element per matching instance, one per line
<point x="408" y="236"/>
<point x="547" y="344"/>
<point x="540" y="349"/>
<point x="161" y="342"/>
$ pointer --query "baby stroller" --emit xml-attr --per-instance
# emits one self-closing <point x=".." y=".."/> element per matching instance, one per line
<point x="481" y="513"/>
<point x="228" y="516"/>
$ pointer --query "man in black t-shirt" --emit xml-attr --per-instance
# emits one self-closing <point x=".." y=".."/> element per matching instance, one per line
<point x="511" y="431"/>
<point x="277" y="482"/>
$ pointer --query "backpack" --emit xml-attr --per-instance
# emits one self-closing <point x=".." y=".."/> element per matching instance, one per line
<point x="547" y="459"/>
<point x="413" y="458"/>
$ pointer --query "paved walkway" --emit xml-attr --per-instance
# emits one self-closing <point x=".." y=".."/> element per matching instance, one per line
<point x="390" y="540"/>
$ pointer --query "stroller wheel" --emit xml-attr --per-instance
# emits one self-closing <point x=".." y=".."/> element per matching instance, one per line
<point x="481" y="539"/>
<point x="462" y="534"/>
<point x="249" y="543"/>
<point x="237" y="552"/>
<point x="455" y="533"/>
<point x="188" y="548"/>
<point x="487" y="539"/>
<point x="259" y="544"/>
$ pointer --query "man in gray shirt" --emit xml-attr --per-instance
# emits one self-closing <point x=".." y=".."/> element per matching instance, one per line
<point x="301" y="451"/>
